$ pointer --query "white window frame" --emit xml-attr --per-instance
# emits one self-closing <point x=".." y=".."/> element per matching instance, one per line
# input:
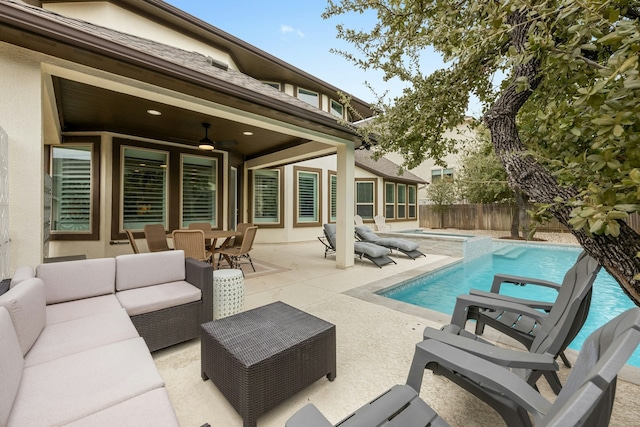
<point x="308" y="96"/>
<point x="151" y="165"/>
<point x="200" y="163"/>
<point x="77" y="200"/>
<point x="390" y="205"/>
<point x="362" y="204"/>
<point x="401" y="197"/>
<point x="334" y="111"/>
<point x="314" y="199"/>
<point x="333" y="197"/>
<point x="257" y="193"/>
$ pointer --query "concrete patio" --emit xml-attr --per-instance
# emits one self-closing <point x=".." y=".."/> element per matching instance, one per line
<point x="375" y="344"/>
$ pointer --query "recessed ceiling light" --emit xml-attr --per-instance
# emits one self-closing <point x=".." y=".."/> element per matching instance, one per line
<point x="247" y="133"/>
<point x="154" y="112"/>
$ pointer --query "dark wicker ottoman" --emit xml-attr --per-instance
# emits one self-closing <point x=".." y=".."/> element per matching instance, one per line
<point x="261" y="357"/>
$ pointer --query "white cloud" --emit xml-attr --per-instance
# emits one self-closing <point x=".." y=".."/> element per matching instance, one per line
<point x="287" y="29"/>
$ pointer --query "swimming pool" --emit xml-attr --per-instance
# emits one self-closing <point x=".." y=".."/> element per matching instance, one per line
<point x="438" y="290"/>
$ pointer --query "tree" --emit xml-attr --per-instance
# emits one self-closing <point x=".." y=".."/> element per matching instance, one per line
<point x="442" y="193"/>
<point x="560" y="88"/>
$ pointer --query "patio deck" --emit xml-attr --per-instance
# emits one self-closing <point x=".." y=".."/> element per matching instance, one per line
<point x="375" y="344"/>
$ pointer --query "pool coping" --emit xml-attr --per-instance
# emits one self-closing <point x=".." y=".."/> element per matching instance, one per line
<point x="369" y="293"/>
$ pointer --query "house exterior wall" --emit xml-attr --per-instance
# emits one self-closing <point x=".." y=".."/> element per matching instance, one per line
<point x="21" y="118"/>
<point x="112" y="16"/>
<point x="463" y="134"/>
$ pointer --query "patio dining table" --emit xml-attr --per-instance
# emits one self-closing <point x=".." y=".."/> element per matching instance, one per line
<point x="214" y="235"/>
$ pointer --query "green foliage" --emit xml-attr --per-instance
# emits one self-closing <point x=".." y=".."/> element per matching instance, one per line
<point x="481" y="178"/>
<point x="582" y="121"/>
<point x="442" y="193"/>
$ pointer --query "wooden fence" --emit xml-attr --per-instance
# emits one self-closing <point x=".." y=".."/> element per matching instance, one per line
<point x="487" y="217"/>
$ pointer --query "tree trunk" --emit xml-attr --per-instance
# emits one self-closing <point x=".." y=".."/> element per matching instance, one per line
<point x="515" y="221"/>
<point x="616" y="255"/>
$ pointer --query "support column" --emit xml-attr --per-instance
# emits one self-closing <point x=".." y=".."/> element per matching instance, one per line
<point x="345" y="194"/>
<point x="21" y="118"/>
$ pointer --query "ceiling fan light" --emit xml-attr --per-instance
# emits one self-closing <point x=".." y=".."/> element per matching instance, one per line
<point x="206" y="143"/>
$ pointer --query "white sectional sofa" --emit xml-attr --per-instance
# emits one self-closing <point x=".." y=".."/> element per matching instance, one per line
<point x="71" y="352"/>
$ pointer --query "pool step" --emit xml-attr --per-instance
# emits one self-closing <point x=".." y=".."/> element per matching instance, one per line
<point x="510" y="252"/>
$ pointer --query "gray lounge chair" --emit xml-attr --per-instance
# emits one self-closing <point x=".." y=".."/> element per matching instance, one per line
<point x="554" y="331"/>
<point x="374" y="253"/>
<point x="586" y="400"/>
<point x="514" y="323"/>
<point x="407" y="247"/>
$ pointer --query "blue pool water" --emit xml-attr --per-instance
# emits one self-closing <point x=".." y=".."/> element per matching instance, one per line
<point x="438" y="291"/>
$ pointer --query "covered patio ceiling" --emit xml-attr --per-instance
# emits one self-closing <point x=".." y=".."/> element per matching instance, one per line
<point x="86" y="108"/>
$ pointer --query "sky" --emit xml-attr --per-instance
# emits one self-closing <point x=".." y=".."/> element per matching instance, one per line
<point x="294" y="31"/>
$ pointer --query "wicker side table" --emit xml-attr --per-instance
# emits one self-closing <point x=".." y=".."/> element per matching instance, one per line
<point x="228" y="292"/>
<point x="261" y="357"/>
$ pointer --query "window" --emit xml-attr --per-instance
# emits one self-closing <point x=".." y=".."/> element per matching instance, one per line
<point x="389" y="200"/>
<point x="337" y="109"/>
<point x="273" y="84"/>
<point x="144" y="188"/>
<point x="307" y="193"/>
<point x="333" y="197"/>
<point x="365" y="199"/>
<point x="309" y="97"/>
<point x="266" y="196"/>
<point x="74" y="196"/>
<point x="439" y="173"/>
<point x="412" y="204"/>
<point x="199" y="190"/>
<point x="402" y="200"/>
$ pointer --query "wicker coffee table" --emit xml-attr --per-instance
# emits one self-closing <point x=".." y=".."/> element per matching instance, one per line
<point x="261" y="357"/>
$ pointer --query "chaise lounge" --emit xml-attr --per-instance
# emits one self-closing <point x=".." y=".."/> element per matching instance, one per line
<point x="375" y="253"/>
<point x="407" y="247"/>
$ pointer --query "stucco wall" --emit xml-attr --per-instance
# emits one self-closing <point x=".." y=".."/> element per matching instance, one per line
<point x="21" y="118"/>
<point x="112" y="16"/>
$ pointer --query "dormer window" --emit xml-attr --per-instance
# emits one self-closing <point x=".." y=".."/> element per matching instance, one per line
<point x="310" y="97"/>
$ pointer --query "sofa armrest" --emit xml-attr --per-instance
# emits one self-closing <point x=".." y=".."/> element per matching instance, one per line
<point x="22" y="273"/>
<point x="200" y="275"/>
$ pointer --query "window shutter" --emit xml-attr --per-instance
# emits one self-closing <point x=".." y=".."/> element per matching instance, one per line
<point x="198" y="191"/>
<point x="144" y="184"/>
<point x="307" y="197"/>
<point x="266" y="196"/>
<point x="72" y="189"/>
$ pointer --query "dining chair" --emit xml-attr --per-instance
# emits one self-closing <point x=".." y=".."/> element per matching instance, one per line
<point x="192" y="243"/>
<point x="204" y="226"/>
<point x="156" y="238"/>
<point x="234" y="254"/>
<point x="132" y="241"/>
<point x="240" y="228"/>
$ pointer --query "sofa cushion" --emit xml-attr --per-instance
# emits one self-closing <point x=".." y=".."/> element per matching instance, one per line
<point x="26" y="306"/>
<point x="11" y="364"/>
<point x="73" y="387"/>
<point x="150" y="409"/>
<point x="72" y="280"/>
<point x="62" y="339"/>
<point x="21" y="274"/>
<point x="140" y="270"/>
<point x="154" y="298"/>
<point x="72" y="310"/>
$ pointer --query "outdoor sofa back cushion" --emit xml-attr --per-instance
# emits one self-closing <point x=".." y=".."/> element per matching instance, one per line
<point x="22" y="274"/>
<point x="26" y="306"/>
<point x="72" y="280"/>
<point x="140" y="270"/>
<point x="11" y="365"/>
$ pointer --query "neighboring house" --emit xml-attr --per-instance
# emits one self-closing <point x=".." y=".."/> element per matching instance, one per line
<point x="120" y="103"/>
<point x="429" y="171"/>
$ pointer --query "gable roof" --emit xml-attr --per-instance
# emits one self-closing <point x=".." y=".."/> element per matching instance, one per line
<point x="385" y="168"/>
<point x="173" y="68"/>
